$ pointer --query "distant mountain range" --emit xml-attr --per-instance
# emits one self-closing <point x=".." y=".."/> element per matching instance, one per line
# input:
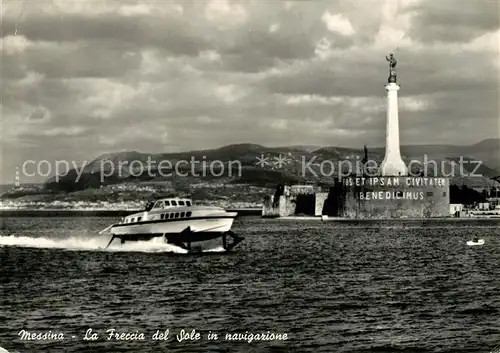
<point x="248" y="155"/>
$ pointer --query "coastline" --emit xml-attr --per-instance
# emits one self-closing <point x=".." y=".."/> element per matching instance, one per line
<point x="343" y="219"/>
<point x="25" y="212"/>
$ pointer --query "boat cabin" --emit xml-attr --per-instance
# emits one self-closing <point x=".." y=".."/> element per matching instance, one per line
<point x="168" y="203"/>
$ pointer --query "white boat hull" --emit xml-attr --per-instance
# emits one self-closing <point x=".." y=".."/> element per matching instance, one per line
<point x="216" y="225"/>
<point x="179" y="223"/>
<point x="473" y="243"/>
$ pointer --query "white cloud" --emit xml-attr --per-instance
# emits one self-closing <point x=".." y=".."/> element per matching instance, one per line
<point x="150" y="63"/>
<point x="165" y="137"/>
<point x="14" y="44"/>
<point x="338" y="23"/>
<point x="357" y="104"/>
<point x="64" y="131"/>
<point x="17" y="122"/>
<point x="315" y="124"/>
<point x="274" y="27"/>
<point x="31" y="79"/>
<point x="224" y="14"/>
<point x="395" y="24"/>
<point x="312" y="99"/>
<point x="210" y="55"/>
<point x="288" y="5"/>
<point x="102" y="97"/>
<point x="488" y="42"/>
<point x="107" y="140"/>
<point x="205" y="119"/>
<point x="279" y="124"/>
<point x="150" y="8"/>
<point x="390" y="38"/>
<point x="134" y="10"/>
<point x="413" y="104"/>
<point x="176" y="9"/>
<point x="123" y="134"/>
<point x="229" y="93"/>
<point x="80" y="7"/>
<point x="322" y="49"/>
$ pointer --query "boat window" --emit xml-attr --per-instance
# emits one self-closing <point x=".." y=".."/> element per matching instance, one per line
<point x="181" y="203"/>
<point x="132" y="220"/>
<point x="182" y="214"/>
<point x="176" y="214"/>
<point x="162" y="216"/>
<point x="188" y="214"/>
<point x="158" y="204"/>
<point x="139" y="219"/>
<point x="174" y="203"/>
<point x="188" y="203"/>
<point x="167" y="203"/>
<point x="170" y="215"/>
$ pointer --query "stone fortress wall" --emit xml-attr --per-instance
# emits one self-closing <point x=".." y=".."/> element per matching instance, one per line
<point x="362" y="198"/>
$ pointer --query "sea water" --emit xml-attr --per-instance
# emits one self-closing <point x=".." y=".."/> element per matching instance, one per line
<point x="293" y="285"/>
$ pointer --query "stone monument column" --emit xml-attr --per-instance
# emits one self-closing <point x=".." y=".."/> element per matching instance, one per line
<point x="393" y="164"/>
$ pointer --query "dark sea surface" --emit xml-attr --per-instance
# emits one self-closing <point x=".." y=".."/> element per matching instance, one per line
<point x="371" y="286"/>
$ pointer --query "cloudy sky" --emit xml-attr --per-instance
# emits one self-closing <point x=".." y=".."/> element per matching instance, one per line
<point x="84" y="78"/>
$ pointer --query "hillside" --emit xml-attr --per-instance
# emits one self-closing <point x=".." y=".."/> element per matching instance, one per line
<point x="243" y="158"/>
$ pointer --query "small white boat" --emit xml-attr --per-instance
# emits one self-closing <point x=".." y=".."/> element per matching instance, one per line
<point x="179" y="222"/>
<point x="478" y="242"/>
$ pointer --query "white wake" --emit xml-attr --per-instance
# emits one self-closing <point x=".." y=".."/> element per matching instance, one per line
<point x="89" y="244"/>
<point x="3" y="350"/>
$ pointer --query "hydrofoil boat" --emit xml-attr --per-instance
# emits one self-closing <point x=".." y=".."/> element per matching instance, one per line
<point x="179" y="222"/>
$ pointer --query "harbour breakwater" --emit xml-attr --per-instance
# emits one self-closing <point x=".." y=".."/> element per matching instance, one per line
<point x="358" y="198"/>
